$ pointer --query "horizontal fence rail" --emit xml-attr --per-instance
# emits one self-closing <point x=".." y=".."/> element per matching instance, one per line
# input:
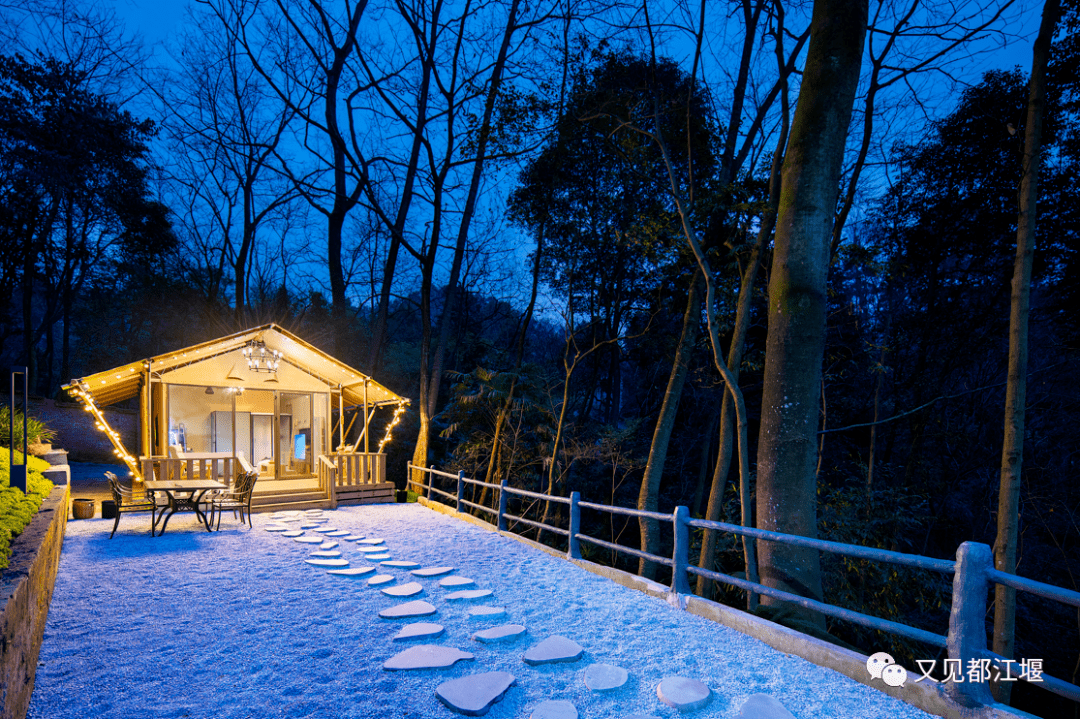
<point x="973" y="574"/>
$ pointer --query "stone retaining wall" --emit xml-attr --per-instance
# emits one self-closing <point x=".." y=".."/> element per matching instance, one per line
<point x="26" y="588"/>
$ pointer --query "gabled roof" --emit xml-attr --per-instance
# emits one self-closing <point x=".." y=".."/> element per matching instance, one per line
<point x="219" y="363"/>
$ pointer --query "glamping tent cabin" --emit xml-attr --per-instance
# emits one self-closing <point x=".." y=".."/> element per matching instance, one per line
<point x="262" y="398"/>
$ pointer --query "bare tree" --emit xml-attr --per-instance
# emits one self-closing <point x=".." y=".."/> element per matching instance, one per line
<point x="306" y="54"/>
<point x="227" y="172"/>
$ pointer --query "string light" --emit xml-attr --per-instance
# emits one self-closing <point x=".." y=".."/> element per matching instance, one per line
<point x="82" y="392"/>
<point x="393" y="423"/>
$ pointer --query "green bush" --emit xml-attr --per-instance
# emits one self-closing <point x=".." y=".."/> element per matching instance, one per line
<point x="17" y="509"/>
<point x="35" y="429"/>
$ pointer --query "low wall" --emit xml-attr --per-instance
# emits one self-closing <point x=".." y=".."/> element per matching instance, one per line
<point x="928" y="697"/>
<point x="26" y="588"/>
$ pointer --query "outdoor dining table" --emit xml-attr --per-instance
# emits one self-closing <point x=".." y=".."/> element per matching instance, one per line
<point x="184" y="495"/>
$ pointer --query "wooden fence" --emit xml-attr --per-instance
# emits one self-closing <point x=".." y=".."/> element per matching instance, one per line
<point x="973" y="575"/>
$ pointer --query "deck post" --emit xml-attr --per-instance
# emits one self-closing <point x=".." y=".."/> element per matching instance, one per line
<point x="460" y="488"/>
<point x="430" y="479"/>
<point x="681" y="553"/>
<point x="502" y="506"/>
<point x="966" y="640"/>
<point x="573" y="551"/>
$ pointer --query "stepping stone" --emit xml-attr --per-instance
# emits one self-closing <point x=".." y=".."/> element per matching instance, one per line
<point x="501" y="633"/>
<point x="352" y="537"/>
<point x="310" y="511"/>
<point x="292" y="533"/>
<point x="403" y="590"/>
<point x="605" y="677"/>
<point x="425" y="656"/>
<point x="286" y="513"/>
<point x="554" y="650"/>
<point x="416" y="608"/>
<point x="328" y="562"/>
<point x="431" y="571"/>
<point x="374" y="557"/>
<point x="682" y="693"/>
<point x="764" y="706"/>
<point x="372" y="540"/>
<point x="380" y="579"/>
<point x="473" y="695"/>
<point x="278" y="528"/>
<point x="468" y="594"/>
<point x="337" y="533"/>
<point x="554" y="709"/>
<point x="308" y="524"/>
<point x="456" y="582"/>
<point x="352" y="571"/>
<point x="369" y="549"/>
<point x="328" y="545"/>
<point x="309" y="540"/>
<point x="325" y="555"/>
<point x="400" y="564"/>
<point x="485" y="612"/>
<point x="325" y="529"/>
<point x="418" y="630"/>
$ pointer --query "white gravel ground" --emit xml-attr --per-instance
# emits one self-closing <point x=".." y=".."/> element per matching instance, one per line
<point x="235" y="624"/>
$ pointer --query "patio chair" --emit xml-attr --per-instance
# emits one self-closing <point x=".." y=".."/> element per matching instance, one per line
<point x="238" y="499"/>
<point x="129" y="500"/>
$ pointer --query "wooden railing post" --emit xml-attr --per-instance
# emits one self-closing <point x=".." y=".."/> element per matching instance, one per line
<point x="430" y="479"/>
<point x="573" y="551"/>
<point x="680" y="554"/>
<point x="460" y="488"/>
<point x="502" y="506"/>
<point x="967" y="621"/>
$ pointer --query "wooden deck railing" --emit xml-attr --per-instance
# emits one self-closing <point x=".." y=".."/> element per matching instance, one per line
<point x="353" y="469"/>
<point x="220" y="469"/>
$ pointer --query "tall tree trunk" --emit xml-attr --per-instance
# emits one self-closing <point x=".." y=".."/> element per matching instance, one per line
<point x="654" y="467"/>
<point x="1012" y="453"/>
<point x="786" y="490"/>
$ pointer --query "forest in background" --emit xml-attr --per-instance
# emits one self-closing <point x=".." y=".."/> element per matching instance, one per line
<point x="503" y="211"/>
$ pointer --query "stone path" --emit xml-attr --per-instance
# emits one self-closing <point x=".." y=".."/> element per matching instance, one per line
<point x="474" y="694"/>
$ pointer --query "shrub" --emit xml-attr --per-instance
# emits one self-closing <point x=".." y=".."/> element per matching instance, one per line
<point x="35" y="429"/>
<point x="17" y="509"/>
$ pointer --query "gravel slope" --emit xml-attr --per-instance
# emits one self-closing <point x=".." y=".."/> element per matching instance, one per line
<point x="235" y="624"/>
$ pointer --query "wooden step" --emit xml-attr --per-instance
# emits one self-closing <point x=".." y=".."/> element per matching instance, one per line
<point x="381" y="493"/>
<point x="323" y="503"/>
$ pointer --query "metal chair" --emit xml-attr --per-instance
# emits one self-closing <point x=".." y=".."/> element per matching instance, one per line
<point x="238" y="499"/>
<point x="129" y="500"/>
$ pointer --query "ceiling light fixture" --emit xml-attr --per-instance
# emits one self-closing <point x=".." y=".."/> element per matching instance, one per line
<point x="259" y="359"/>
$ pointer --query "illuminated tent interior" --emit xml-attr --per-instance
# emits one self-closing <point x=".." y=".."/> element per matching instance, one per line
<point x="263" y="395"/>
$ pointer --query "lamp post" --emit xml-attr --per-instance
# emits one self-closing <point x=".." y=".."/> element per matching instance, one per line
<point x="18" y="472"/>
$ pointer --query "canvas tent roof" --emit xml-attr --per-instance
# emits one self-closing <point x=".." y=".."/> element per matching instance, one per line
<point x="219" y="363"/>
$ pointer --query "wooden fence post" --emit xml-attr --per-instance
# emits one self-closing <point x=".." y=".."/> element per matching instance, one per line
<point x="430" y="479"/>
<point x="502" y="506"/>
<point x="680" y="554"/>
<point x="460" y="488"/>
<point x="574" y="550"/>
<point x="967" y="622"/>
